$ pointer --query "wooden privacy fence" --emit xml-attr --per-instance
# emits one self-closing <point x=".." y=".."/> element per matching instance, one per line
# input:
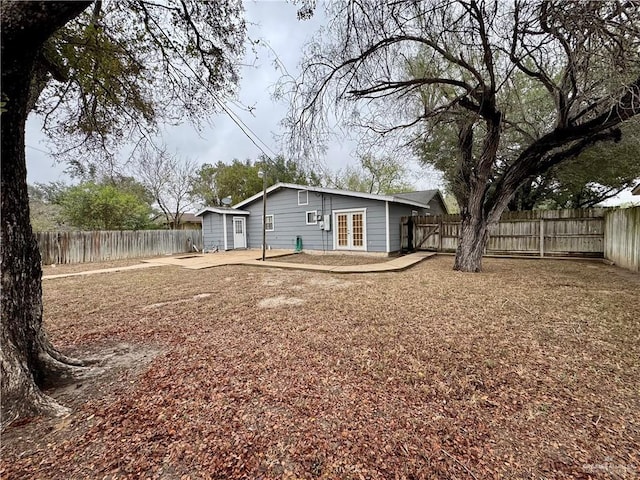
<point x="622" y="237"/>
<point x="80" y="247"/>
<point x="575" y="232"/>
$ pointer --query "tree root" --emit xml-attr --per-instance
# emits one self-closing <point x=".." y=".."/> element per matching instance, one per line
<point x="66" y="360"/>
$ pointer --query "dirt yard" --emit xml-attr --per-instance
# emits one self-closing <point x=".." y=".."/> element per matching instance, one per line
<point x="529" y="370"/>
<point x="337" y="260"/>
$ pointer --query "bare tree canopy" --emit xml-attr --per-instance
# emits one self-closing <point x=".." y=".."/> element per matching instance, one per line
<point x="409" y="68"/>
<point x="168" y="178"/>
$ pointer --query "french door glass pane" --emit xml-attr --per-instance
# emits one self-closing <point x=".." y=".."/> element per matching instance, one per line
<point x="343" y="235"/>
<point x="357" y="230"/>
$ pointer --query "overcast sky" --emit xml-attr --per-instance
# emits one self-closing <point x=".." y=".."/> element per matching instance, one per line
<point x="276" y="23"/>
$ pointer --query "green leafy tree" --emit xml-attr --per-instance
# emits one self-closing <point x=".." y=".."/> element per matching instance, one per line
<point x="239" y="180"/>
<point x="119" y="69"/>
<point x="91" y="206"/>
<point x="103" y="74"/>
<point x="279" y="169"/>
<point x="597" y="174"/>
<point x="451" y="203"/>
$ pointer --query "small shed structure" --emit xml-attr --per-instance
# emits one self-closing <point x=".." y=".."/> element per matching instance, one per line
<point x="224" y="228"/>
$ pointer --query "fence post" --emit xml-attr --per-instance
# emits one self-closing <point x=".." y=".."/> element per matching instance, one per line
<point x="440" y="234"/>
<point x="541" y="237"/>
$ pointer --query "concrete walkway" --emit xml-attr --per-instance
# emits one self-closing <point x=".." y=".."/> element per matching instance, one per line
<point x="208" y="260"/>
<point x="253" y="258"/>
<point x="102" y="270"/>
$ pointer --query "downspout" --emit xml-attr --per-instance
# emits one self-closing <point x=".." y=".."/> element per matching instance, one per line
<point x="386" y="226"/>
<point x="202" y="233"/>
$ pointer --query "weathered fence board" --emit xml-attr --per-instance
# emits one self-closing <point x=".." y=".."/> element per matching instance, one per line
<point x="81" y="247"/>
<point x="571" y="232"/>
<point x="622" y="237"/>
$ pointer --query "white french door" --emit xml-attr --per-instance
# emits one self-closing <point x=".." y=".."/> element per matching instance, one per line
<point x="350" y="230"/>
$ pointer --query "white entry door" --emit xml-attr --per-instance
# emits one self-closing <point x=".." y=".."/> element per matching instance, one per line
<point x="350" y="230"/>
<point x="239" y="233"/>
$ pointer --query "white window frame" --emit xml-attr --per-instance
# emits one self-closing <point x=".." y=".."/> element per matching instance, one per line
<point x="273" y="223"/>
<point x="315" y="217"/>
<point x="306" y="192"/>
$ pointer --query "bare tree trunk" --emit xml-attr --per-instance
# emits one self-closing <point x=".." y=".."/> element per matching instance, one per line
<point x="27" y="360"/>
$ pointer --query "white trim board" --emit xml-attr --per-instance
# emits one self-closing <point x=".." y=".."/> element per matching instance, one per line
<point x="224" y="230"/>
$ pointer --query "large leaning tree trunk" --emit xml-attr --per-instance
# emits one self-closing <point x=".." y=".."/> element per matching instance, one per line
<point x="27" y="360"/>
<point x="472" y="187"/>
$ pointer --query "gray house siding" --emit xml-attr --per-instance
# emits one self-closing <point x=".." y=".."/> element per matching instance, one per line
<point x="437" y="207"/>
<point x="290" y="220"/>
<point x="212" y="231"/>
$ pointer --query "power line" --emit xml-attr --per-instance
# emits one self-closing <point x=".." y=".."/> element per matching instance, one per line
<point x="234" y="117"/>
<point x="38" y="149"/>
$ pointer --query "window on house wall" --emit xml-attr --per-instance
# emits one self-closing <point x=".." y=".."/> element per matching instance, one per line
<point x="269" y="225"/>
<point x="312" y="218"/>
<point x="303" y="197"/>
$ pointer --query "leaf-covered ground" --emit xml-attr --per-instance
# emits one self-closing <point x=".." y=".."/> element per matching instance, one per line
<point x="330" y="259"/>
<point x="528" y="370"/>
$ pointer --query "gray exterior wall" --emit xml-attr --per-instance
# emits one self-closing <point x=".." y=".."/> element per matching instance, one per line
<point x="437" y="207"/>
<point x="212" y="231"/>
<point x="290" y="221"/>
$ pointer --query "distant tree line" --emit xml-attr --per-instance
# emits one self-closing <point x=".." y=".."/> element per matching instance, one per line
<point x="161" y="187"/>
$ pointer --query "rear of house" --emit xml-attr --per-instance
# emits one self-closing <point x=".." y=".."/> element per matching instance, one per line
<point x="316" y="219"/>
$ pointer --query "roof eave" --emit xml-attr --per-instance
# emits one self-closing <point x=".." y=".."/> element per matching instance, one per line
<point x="334" y="191"/>
<point x="222" y="211"/>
